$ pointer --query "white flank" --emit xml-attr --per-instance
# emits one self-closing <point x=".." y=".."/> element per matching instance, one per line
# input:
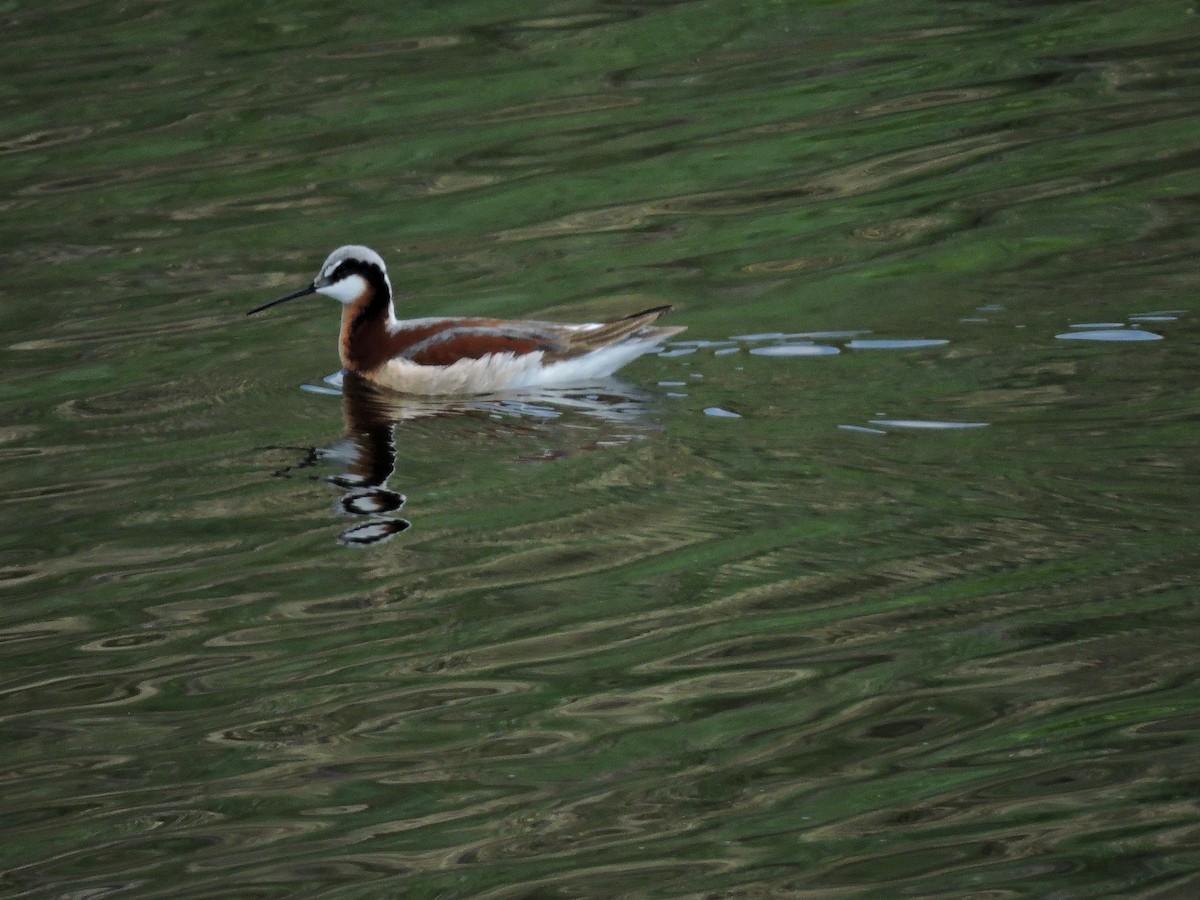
<point x="504" y="371"/>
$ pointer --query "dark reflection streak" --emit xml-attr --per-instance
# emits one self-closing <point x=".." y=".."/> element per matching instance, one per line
<point x="311" y="458"/>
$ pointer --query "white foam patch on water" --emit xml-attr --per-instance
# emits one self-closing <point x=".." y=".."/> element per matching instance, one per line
<point x="795" y="350"/>
<point x="719" y="413"/>
<point x="1153" y="317"/>
<point x="763" y="336"/>
<point x="1098" y="325"/>
<point x="825" y="335"/>
<point x="862" y="429"/>
<point x="1110" y="334"/>
<point x="522" y="408"/>
<point x="927" y="424"/>
<point x="896" y="344"/>
<point x="678" y="351"/>
<point x="320" y="389"/>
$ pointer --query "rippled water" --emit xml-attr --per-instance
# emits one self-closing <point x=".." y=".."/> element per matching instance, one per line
<point x="879" y="582"/>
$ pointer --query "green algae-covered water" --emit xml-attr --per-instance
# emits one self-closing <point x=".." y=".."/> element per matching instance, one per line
<point x="879" y="581"/>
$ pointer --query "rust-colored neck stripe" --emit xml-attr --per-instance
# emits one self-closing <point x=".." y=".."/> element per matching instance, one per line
<point x="364" y="337"/>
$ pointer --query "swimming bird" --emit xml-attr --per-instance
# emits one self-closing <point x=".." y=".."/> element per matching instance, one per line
<point x="466" y="355"/>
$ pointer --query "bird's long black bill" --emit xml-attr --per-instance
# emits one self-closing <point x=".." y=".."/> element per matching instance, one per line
<point x="304" y="292"/>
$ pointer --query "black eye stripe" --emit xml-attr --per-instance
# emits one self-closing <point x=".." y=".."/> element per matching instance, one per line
<point x="346" y="268"/>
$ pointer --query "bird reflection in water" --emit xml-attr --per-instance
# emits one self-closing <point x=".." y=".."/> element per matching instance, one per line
<point x="367" y="450"/>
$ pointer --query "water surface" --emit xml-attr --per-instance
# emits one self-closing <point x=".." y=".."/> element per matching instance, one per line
<point x="268" y="641"/>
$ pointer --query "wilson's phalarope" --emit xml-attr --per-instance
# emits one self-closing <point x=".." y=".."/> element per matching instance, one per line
<point x="468" y="355"/>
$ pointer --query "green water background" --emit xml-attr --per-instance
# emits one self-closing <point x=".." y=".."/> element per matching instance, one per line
<point x="670" y="654"/>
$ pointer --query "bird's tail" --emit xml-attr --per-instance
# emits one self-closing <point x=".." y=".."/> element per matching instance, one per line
<point x="638" y="326"/>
